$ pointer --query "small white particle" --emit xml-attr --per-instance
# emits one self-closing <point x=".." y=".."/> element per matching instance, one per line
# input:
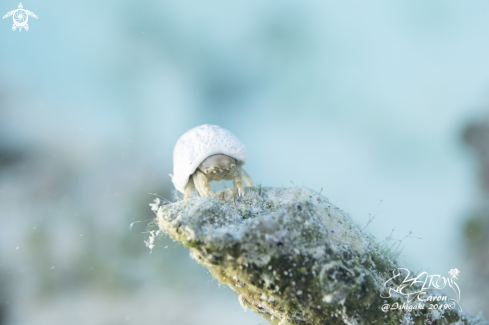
<point x="17" y="248"/>
<point x="52" y="267"/>
<point x="328" y="298"/>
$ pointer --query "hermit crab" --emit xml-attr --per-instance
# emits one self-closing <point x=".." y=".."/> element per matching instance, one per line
<point x="208" y="153"/>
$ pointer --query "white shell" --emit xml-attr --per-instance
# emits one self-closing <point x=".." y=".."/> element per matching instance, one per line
<point x="199" y="143"/>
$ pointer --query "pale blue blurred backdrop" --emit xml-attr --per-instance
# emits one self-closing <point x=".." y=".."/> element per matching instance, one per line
<point x="365" y="100"/>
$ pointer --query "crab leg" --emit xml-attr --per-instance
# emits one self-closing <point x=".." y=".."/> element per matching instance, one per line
<point x="189" y="189"/>
<point x="246" y="177"/>
<point x="201" y="183"/>
<point x="238" y="184"/>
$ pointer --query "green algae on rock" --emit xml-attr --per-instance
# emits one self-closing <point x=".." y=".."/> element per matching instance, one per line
<point x="292" y="257"/>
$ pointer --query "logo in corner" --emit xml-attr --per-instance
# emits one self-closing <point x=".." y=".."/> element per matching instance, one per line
<point x="420" y="291"/>
<point x="20" y="17"/>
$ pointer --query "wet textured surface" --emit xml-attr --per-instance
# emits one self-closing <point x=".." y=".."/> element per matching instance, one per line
<point x="291" y="256"/>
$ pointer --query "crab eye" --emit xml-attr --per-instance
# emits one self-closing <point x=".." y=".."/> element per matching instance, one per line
<point x="206" y="170"/>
